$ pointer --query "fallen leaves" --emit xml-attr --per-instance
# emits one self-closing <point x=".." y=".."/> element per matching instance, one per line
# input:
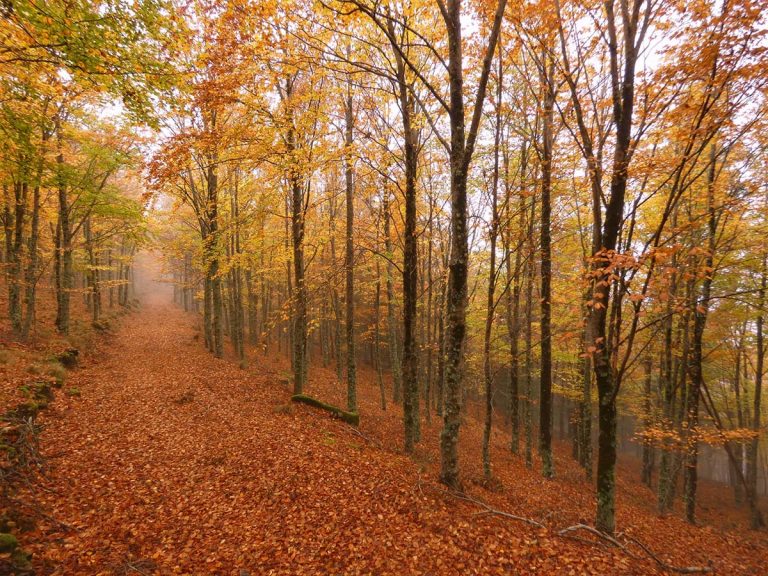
<point x="224" y="482"/>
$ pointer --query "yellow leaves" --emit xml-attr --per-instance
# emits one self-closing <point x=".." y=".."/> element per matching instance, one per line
<point x="661" y="437"/>
<point x="719" y="438"/>
<point x="672" y="439"/>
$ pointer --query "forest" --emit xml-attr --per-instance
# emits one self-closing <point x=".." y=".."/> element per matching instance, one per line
<point x="383" y="286"/>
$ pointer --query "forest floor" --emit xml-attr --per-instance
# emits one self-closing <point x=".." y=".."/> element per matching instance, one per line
<point x="173" y="462"/>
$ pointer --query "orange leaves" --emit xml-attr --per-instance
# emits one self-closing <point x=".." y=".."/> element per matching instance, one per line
<point x="671" y="439"/>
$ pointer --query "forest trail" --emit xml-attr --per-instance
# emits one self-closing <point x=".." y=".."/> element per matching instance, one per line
<point x="174" y="462"/>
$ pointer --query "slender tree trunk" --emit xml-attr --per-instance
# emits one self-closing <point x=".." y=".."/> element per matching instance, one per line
<point x="111" y="280"/>
<point x="441" y="341"/>
<point x="94" y="296"/>
<point x="490" y="304"/>
<point x="461" y="149"/>
<point x="513" y="302"/>
<point x="394" y="347"/>
<point x="253" y="308"/>
<point x="65" y="228"/>
<point x="335" y="299"/>
<point x="695" y="367"/>
<point x="430" y="325"/>
<point x="30" y="278"/>
<point x="298" y="201"/>
<point x="530" y="279"/>
<point x="212" y="248"/>
<point x="410" y="264"/>
<point x="300" y="297"/>
<point x="236" y="278"/>
<point x="377" y="338"/>
<point x="208" y="313"/>
<point x="756" y="517"/>
<point x="648" y="454"/>
<point x="585" y="413"/>
<point x="350" y="256"/>
<point x="7" y="230"/>
<point x="545" y="374"/>
<point x="16" y="260"/>
<point x="737" y="466"/>
<point x="668" y="390"/>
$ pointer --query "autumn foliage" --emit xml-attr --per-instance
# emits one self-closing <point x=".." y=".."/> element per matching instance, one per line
<point x="518" y="246"/>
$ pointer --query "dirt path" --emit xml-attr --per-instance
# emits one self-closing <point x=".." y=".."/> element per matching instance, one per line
<point x="173" y="462"/>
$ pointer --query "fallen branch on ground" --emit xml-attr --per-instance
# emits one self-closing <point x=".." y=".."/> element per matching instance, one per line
<point x="352" y="418"/>
<point x="365" y="436"/>
<point x="566" y="532"/>
<point x="660" y="562"/>
<point x="489" y="509"/>
<point x="496" y="512"/>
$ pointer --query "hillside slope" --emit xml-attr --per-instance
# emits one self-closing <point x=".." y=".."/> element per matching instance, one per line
<point x="173" y="462"/>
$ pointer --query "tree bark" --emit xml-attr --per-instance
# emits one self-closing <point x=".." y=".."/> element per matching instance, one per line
<point x="646" y="475"/>
<point x="64" y="286"/>
<point x="349" y="255"/>
<point x="695" y="366"/>
<point x="394" y="346"/>
<point x="545" y="373"/>
<point x="410" y="374"/>
<point x="756" y="518"/>
<point x="490" y="304"/>
<point x="461" y="149"/>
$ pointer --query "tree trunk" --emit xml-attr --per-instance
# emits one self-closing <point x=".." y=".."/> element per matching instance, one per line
<point x="756" y="517"/>
<point x="212" y="249"/>
<point x="410" y="263"/>
<point x="585" y="413"/>
<point x="461" y="149"/>
<point x="623" y="97"/>
<point x="530" y="278"/>
<point x="394" y="347"/>
<point x="64" y="286"/>
<point x="430" y="325"/>
<point x="545" y="373"/>
<point x="349" y="256"/>
<point x="335" y="299"/>
<point x="490" y="303"/>
<point x="30" y="278"/>
<point x="513" y="301"/>
<point x="16" y="256"/>
<point x="377" y="338"/>
<point x="737" y="448"/>
<point x="695" y="367"/>
<point x="300" y="295"/>
<point x="646" y="475"/>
